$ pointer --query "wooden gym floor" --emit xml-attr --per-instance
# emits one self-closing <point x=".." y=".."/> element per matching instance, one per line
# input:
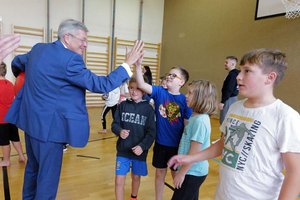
<point x="88" y="173"/>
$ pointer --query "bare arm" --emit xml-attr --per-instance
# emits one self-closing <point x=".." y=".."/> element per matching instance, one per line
<point x="213" y="151"/>
<point x="180" y="175"/>
<point x="140" y="79"/>
<point x="186" y="121"/>
<point x="291" y="184"/>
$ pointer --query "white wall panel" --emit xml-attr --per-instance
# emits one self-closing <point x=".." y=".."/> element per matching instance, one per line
<point x="127" y="19"/>
<point x="98" y="17"/>
<point x="64" y="9"/>
<point x="152" y="23"/>
<point x="29" y="13"/>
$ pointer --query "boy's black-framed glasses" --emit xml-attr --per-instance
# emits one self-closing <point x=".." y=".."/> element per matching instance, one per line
<point x="173" y="75"/>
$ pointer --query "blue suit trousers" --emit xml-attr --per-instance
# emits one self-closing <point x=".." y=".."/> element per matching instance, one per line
<point x="42" y="170"/>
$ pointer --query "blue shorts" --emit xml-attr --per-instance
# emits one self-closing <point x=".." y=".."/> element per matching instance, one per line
<point x="137" y="167"/>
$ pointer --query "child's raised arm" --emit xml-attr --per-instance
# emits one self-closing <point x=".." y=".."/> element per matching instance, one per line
<point x="140" y="79"/>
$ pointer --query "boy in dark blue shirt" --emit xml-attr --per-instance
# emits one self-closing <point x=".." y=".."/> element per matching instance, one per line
<point x="134" y="123"/>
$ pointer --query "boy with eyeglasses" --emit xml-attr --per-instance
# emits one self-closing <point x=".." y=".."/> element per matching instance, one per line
<point x="171" y="111"/>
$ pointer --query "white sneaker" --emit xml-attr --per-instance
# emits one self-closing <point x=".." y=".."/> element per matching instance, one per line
<point x="65" y="148"/>
<point x="213" y="142"/>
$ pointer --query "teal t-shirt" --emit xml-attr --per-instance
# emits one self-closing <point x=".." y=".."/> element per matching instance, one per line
<point x="198" y="129"/>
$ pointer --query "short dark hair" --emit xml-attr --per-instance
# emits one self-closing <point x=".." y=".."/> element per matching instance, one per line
<point x="147" y="68"/>
<point x="232" y="58"/>
<point x="3" y="69"/>
<point x="184" y="73"/>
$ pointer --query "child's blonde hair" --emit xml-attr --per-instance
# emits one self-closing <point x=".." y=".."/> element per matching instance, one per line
<point x="204" y="99"/>
<point x="268" y="60"/>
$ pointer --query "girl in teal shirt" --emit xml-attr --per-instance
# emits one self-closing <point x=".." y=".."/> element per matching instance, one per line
<point x="202" y="98"/>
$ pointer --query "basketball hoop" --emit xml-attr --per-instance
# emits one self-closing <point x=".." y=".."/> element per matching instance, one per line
<point x="292" y="8"/>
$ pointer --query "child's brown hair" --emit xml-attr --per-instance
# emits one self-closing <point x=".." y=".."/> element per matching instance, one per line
<point x="2" y="69"/>
<point x="184" y="73"/>
<point x="267" y="59"/>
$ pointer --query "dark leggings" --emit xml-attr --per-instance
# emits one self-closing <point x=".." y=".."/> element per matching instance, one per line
<point x="106" y="109"/>
<point x="189" y="189"/>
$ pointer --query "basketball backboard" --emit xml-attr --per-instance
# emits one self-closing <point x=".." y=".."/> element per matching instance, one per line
<point x="269" y="8"/>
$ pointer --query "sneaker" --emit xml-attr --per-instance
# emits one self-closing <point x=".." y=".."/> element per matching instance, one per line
<point x="65" y="147"/>
<point x="213" y="142"/>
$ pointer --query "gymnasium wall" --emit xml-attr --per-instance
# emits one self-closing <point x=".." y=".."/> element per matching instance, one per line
<point x="97" y="15"/>
<point x="200" y="34"/>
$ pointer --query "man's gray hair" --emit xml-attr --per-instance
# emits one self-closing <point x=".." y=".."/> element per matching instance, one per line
<point x="70" y="26"/>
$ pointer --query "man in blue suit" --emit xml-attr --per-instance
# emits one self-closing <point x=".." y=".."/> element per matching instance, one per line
<point x="51" y="107"/>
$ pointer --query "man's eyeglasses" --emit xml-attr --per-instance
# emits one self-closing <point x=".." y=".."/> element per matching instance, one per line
<point x="174" y="76"/>
<point x="82" y="40"/>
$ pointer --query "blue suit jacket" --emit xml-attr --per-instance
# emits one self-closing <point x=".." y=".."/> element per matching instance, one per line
<point x="51" y="105"/>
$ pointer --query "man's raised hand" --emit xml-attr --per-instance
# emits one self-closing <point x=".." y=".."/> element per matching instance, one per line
<point x="135" y="53"/>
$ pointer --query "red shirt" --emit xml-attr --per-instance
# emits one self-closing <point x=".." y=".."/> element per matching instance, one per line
<point x="7" y="95"/>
